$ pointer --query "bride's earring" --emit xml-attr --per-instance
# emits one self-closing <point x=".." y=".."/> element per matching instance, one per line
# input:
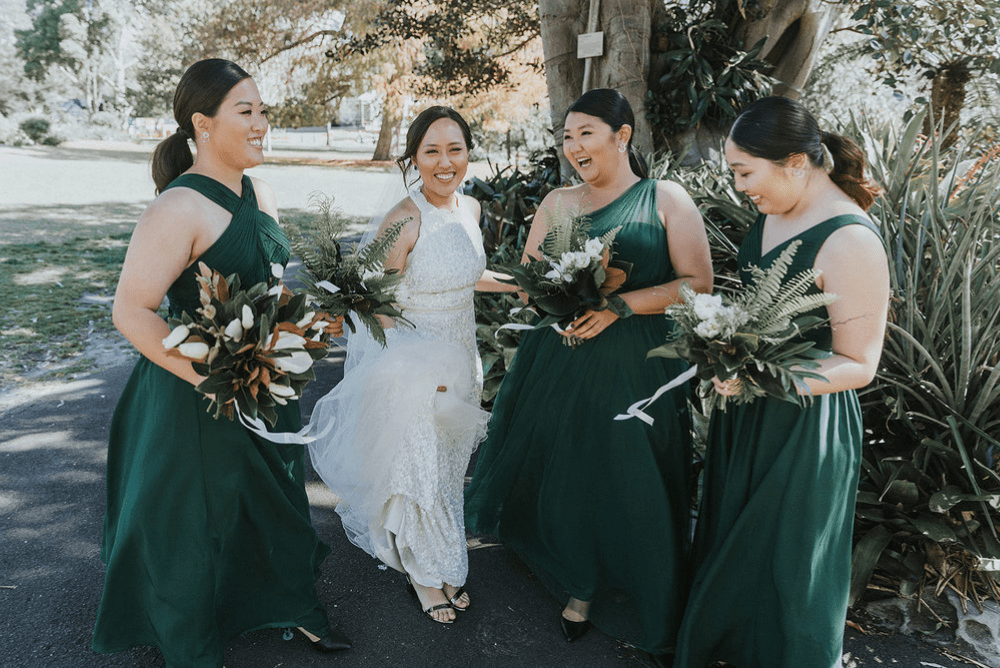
<point x="204" y="136"/>
<point x="798" y="172"/>
<point x="622" y="148"/>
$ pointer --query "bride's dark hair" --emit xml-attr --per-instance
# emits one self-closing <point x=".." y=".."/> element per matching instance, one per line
<point x="418" y="128"/>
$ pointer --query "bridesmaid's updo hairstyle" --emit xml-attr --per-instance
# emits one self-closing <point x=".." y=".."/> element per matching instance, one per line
<point x="202" y="89"/>
<point x="776" y="128"/>
<point x="418" y="128"/>
<point x="611" y="107"/>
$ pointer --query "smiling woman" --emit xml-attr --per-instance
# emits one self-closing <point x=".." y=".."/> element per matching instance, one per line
<point x="207" y="531"/>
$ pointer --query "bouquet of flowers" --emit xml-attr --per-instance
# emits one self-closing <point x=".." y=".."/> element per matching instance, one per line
<point x="349" y="283"/>
<point x="256" y="346"/>
<point x="754" y="338"/>
<point x="575" y="273"/>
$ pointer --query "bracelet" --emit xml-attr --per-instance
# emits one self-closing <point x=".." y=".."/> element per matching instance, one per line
<point x="618" y="306"/>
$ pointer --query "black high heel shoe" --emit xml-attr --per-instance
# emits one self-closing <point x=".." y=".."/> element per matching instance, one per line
<point x="333" y="641"/>
<point x="573" y="630"/>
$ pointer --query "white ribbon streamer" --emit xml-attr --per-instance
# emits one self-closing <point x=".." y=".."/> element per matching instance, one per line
<point x="636" y="409"/>
<point x="301" y="437"/>
<point x="328" y="286"/>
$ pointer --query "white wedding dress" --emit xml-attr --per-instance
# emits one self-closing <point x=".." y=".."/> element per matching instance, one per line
<point x="394" y="448"/>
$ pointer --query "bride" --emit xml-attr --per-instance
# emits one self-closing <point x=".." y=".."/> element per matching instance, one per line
<point x="400" y="427"/>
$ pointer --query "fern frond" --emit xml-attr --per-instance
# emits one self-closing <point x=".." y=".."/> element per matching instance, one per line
<point x="374" y="255"/>
<point x="769" y="283"/>
<point x="608" y="237"/>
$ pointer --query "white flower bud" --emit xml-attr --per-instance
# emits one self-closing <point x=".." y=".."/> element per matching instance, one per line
<point x="247" y="317"/>
<point x="234" y="330"/>
<point x="277" y="390"/>
<point x="277" y="270"/>
<point x="288" y="340"/>
<point x="306" y="319"/>
<point x="178" y="334"/>
<point x="195" y="350"/>
<point x="298" y="362"/>
<point x="208" y="311"/>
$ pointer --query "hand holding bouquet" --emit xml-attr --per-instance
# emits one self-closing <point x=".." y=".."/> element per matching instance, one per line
<point x="350" y="283"/>
<point x="754" y="338"/>
<point x="574" y="274"/>
<point x="256" y="347"/>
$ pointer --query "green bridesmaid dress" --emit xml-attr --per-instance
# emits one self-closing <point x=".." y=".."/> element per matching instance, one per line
<point x="207" y="531"/>
<point x="772" y="549"/>
<point x="599" y="509"/>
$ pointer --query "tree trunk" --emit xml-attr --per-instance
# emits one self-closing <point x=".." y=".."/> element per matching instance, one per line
<point x="947" y="100"/>
<point x="794" y="29"/>
<point x="627" y="26"/>
<point x="392" y="116"/>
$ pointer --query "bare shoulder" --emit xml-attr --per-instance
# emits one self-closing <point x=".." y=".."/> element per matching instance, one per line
<point x="569" y="197"/>
<point x="266" y="200"/>
<point x="473" y="205"/>
<point x="670" y="194"/>
<point x="177" y="208"/>
<point x="404" y="210"/>
<point x="857" y="246"/>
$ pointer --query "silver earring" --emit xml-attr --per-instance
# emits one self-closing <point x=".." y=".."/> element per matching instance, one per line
<point x="798" y="172"/>
<point x="622" y="148"/>
<point x="204" y="136"/>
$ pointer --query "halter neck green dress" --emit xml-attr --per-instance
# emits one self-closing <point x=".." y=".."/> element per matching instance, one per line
<point x="772" y="548"/>
<point x="207" y="531"/>
<point x="599" y="509"/>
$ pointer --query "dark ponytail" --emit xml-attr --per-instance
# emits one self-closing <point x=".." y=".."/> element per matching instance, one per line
<point x="201" y="89"/>
<point x="776" y="128"/>
<point x="611" y="107"/>
<point x="849" y="170"/>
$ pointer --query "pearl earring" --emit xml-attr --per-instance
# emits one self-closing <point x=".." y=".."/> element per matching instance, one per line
<point x="204" y="136"/>
<point x="622" y="148"/>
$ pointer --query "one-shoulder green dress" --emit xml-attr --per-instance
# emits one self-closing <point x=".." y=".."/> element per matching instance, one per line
<point x="207" y="531"/>
<point x="772" y="550"/>
<point x="599" y="509"/>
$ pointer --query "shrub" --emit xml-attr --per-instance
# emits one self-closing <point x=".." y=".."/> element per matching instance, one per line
<point x="36" y="128"/>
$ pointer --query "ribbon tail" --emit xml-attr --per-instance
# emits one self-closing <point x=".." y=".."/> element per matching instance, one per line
<point x="257" y="426"/>
<point x="636" y="409"/>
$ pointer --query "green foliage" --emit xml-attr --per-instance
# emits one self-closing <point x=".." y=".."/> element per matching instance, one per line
<point x="706" y="75"/>
<point x="362" y="289"/>
<point x="35" y="128"/>
<point x="509" y="199"/>
<point x="930" y="482"/>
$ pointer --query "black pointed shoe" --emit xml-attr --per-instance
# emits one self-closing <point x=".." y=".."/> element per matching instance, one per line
<point x="333" y="641"/>
<point x="573" y="630"/>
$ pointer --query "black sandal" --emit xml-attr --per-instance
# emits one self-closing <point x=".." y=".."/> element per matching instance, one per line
<point x="454" y="600"/>
<point x="431" y="610"/>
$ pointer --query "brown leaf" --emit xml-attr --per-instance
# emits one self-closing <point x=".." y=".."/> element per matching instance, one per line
<point x="223" y="289"/>
<point x="614" y="278"/>
<point x="265" y="376"/>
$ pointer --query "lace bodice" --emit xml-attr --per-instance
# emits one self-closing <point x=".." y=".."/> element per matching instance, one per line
<point x="447" y="260"/>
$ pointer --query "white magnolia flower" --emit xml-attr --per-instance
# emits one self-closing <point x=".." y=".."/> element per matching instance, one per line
<point x="247" y="317"/>
<point x="287" y="340"/>
<point x="277" y="270"/>
<point x="208" y="311"/>
<point x="234" y="330"/>
<point x="195" y="350"/>
<point x="178" y="334"/>
<point x="306" y="320"/>
<point x="298" y="362"/>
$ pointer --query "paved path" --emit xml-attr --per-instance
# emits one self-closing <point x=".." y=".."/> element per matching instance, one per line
<point x="52" y="465"/>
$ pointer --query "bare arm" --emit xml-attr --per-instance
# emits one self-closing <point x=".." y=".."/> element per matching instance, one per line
<point x="687" y="243"/>
<point x="855" y="269"/>
<point x="164" y="242"/>
<point x="406" y="211"/>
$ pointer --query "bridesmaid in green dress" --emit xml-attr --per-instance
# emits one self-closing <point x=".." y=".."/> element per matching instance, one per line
<point x="600" y="509"/>
<point x="772" y="549"/>
<point x="207" y="531"/>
